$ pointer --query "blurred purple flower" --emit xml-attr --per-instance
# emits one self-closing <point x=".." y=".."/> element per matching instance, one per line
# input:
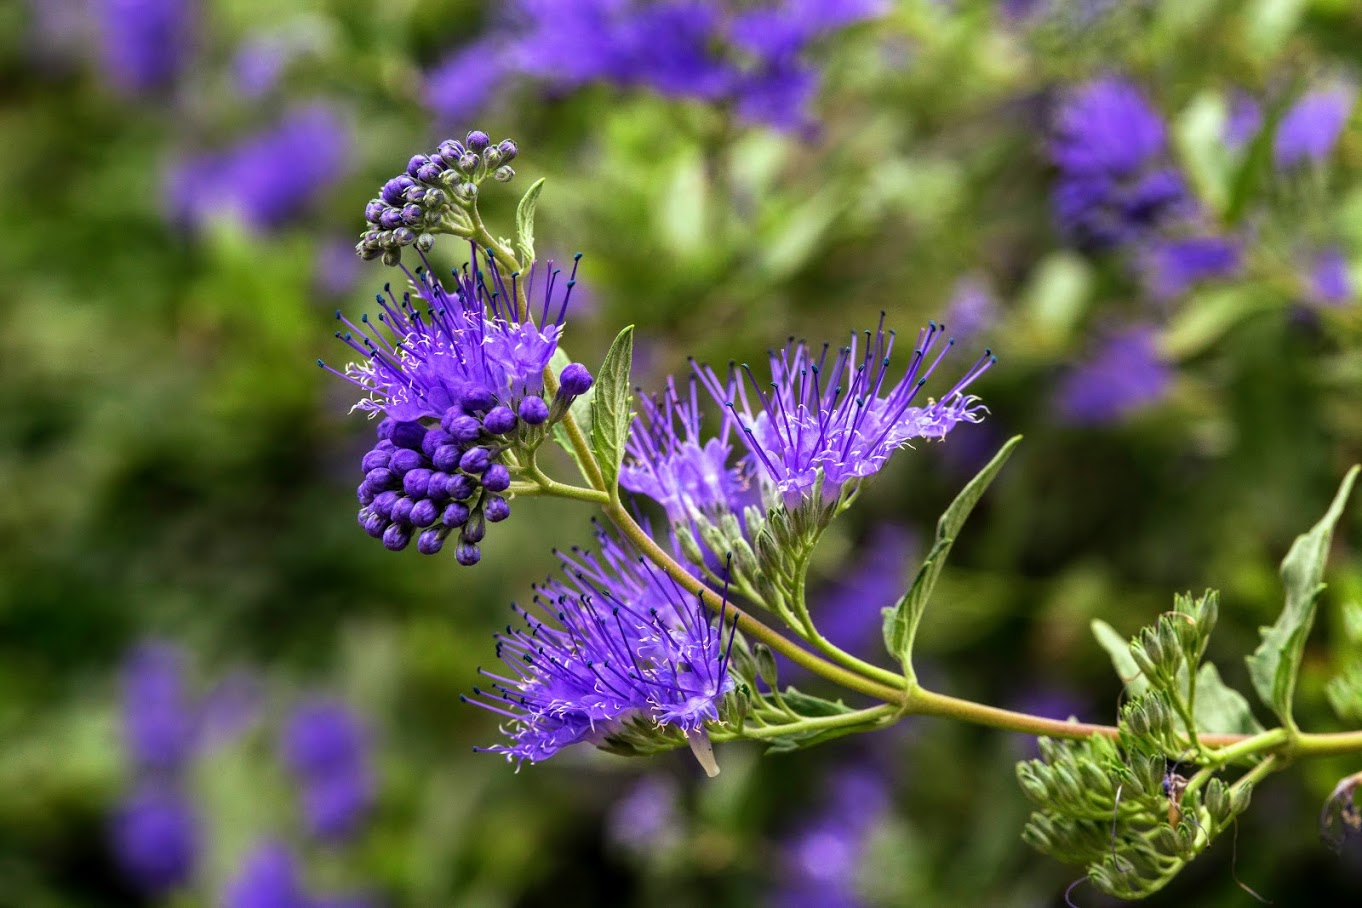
<point x="646" y="817"/>
<point x="259" y="64"/>
<point x="324" y="747"/>
<point x="462" y="84"/>
<point x="1310" y="129"/>
<point x="972" y="310"/>
<point x="145" y="44"/>
<point x="159" y="717"/>
<point x="822" y="859"/>
<point x="58" y="33"/>
<point x="1245" y="120"/>
<point x="1176" y="265"/>
<point x="156" y="839"/>
<point x="1330" y="281"/>
<point x="268" y="878"/>
<point x="337" y="269"/>
<point x="266" y="179"/>
<point x="1048" y="702"/>
<point x="230" y="707"/>
<point x="1116" y="183"/>
<point x="848" y="611"/>
<point x="1125" y="374"/>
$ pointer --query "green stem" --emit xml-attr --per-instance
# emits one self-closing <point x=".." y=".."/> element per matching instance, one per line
<point x="818" y="723"/>
<point x="1324" y="745"/>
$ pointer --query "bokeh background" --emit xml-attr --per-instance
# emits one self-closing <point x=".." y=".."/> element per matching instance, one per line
<point x="216" y="690"/>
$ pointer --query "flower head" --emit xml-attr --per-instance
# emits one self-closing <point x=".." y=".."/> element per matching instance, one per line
<point x="1309" y="131"/>
<point x="1116" y="184"/>
<point x="667" y="461"/>
<point x="837" y="420"/>
<point x="458" y="374"/>
<point x="1125" y="374"/>
<point x="156" y="839"/>
<point x="324" y="747"/>
<point x="613" y="643"/>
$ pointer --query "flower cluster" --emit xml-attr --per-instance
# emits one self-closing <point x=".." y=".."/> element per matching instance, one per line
<point x="458" y="374"/>
<point x="267" y="179"/>
<point x="754" y="60"/>
<point x="613" y="648"/>
<point x="412" y="206"/>
<point x="829" y="422"/>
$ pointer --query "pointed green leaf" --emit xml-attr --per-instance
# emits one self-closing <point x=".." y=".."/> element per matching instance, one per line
<point x="610" y="413"/>
<point x="1118" y="648"/>
<point x="901" y="621"/>
<point x="524" y="223"/>
<point x="1274" y="664"/>
<point x="1221" y="709"/>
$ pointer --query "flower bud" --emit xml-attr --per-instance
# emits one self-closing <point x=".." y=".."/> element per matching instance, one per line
<point x="508" y="150"/>
<point x="534" y="411"/>
<point x="401" y="512"/>
<point x="475" y="460"/>
<point x="467" y="555"/>
<point x="416" y="482"/>
<point x="429" y="173"/>
<point x="380" y="478"/>
<point x="575" y="380"/>
<point x="375" y="525"/>
<point x="404" y="236"/>
<point x="468" y="163"/>
<point x="394" y="188"/>
<point x="503" y="174"/>
<point x="476" y="399"/>
<point x="404" y="460"/>
<point x="492" y="156"/>
<point x="689" y="547"/>
<point x="425" y="242"/>
<point x="408" y="435"/>
<point x="395" y="538"/>
<point x="497" y="478"/>
<point x="446" y="458"/>
<point x="390" y="218"/>
<point x="424" y="513"/>
<point x="416" y="163"/>
<point x="476" y="527"/>
<point x="438" y="488"/>
<point x="374" y="210"/>
<point x="450" y="150"/>
<point x="374" y="459"/>
<point x="461" y="487"/>
<point x="383" y="504"/>
<point x="412" y="215"/>
<point x="499" y="421"/>
<point x="436" y="199"/>
<point x="431" y="541"/>
<point x="365" y="493"/>
<point x="477" y="141"/>
<point x="496" y="509"/>
<point x="392" y="257"/>
<point x="455" y="515"/>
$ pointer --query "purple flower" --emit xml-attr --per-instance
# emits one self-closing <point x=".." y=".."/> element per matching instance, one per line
<point x="646" y="818"/>
<point x="462" y="84"/>
<point x="780" y="29"/>
<point x="269" y="178"/>
<point x="1116" y="184"/>
<point x="466" y="359"/>
<point x="156" y="839"/>
<point x="835" y="423"/>
<point x="325" y="749"/>
<point x="336" y="269"/>
<point x="145" y="44"/>
<point x="268" y="878"/>
<point x="1309" y="131"/>
<point x="1330" y="281"/>
<point x="972" y="310"/>
<point x="614" y="647"/>
<point x="822" y="860"/>
<point x="1176" y="265"/>
<point x="666" y="460"/>
<point x="159" y="717"/>
<point x="260" y="63"/>
<point x="1125" y="374"/>
<point x="1245" y="120"/>
<point x="849" y="612"/>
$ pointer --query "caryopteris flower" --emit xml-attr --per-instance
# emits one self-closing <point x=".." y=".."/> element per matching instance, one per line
<point x="1116" y="184"/>
<point x="458" y="374"/>
<point x="1125" y="374"/>
<point x="324" y="748"/>
<point x="834" y="420"/>
<point x="1309" y="131"/>
<point x="1177" y="265"/>
<point x="667" y="460"/>
<point x="615" y="654"/>
<point x="156" y="839"/>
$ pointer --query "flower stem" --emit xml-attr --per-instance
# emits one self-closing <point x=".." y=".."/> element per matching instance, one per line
<point x="817" y="723"/>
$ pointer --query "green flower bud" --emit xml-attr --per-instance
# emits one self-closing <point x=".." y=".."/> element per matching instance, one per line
<point x="744" y="558"/>
<point x="1094" y="780"/>
<point x="503" y="174"/>
<point x="392" y="256"/>
<point x="766" y="664"/>
<point x="425" y="242"/>
<point x="1170" y="643"/>
<point x="1218" y="801"/>
<point x="1147" y="660"/>
<point x="1067" y="786"/>
<point x="1239" y="799"/>
<point x="689" y="547"/>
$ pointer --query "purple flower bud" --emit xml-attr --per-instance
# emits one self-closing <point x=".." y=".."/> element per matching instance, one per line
<point x="461" y="487"/>
<point x="382" y="478"/>
<point x="417" y="194"/>
<point x="386" y="444"/>
<point x="468" y="163"/>
<point x="412" y="215"/>
<point x="497" y="478"/>
<point x="408" y="435"/>
<point x="499" y="421"/>
<point x="424" y="513"/>
<point x="436" y="489"/>
<point x="416" y="163"/>
<point x="534" y="411"/>
<point x="405" y="460"/>
<point x="375" y="524"/>
<point x="475" y="460"/>
<point x="394" y="188"/>
<point x="431" y="541"/>
<point x="508" y="151"/>
<point x="497" y="509"/>
<point x="467" y="555"/>
<point x="401" y="512"/>
<point x="365" y="493"/>
<point x="455" y="515"/>
<point x="374" y="210"/>
<point x="433" y="440"/>
<point x="383" y="504"/>
<point x="447" y="458"/>
<point x="385" y="429"/>
<point x="477" y="399"/>
<point x="465" y="428"/>
<point x="575" y="380"/>
<point x="475" y="529"/>
<point x="429" y="173"/>
<point x="404" y="236"/>
<point x="416" y="482"/>
<point x="477" y="140"/>
<point x="450" y="150"/>
<point x="396" y="537"/>
<point x="374" y="459"/>
<point x="390" y="219"/>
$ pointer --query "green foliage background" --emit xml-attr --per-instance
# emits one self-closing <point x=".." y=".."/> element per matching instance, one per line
<point x="172" y="463"/>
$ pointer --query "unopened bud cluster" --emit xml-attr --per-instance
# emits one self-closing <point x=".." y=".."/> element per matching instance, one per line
<point x="413" y="206"/>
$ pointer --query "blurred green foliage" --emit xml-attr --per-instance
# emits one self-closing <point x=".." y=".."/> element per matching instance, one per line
<point x="173" y="465"/>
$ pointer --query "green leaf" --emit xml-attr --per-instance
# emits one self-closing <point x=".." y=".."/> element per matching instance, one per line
<point x="1118" y="648"/>
<point x="581" y="409"/>
<point x="901" y="621"/>
<point x="1220" y="709"/>
<point x="610" y="413"/>
<point x="524" y="223"/>
<point x="1275" y="663"/>
<point x="810" y="706"/>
